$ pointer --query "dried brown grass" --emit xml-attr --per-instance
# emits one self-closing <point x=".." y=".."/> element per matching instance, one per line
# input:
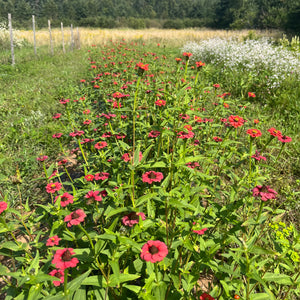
<point x="168" y="37"/>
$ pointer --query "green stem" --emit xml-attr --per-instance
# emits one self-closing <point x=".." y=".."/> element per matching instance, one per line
<point x="134" y="113"/>
<point x="45" y="170"/>
<point x="66" y="292"/>
<point x="156" y="272"/>
<point x="82" y="152"/>
<point x="61" y="147"/>
<point x="68" y="174"/>
<point x="283" y="144"/>
<point x="88" y="236"/>
<point x="185" y="70"/>
<point x="250" y="160"/>
<point x="260" y="210"/>
<point x="268" y="142"/>
<point x="133" y="138"/>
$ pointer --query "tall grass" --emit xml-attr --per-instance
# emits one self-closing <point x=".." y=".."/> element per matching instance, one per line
<point x="174" y="37"/>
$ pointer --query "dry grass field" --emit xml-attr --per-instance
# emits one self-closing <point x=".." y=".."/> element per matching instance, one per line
<point x="174" y="37"/>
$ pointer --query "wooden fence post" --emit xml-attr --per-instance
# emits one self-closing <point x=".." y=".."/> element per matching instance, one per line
<point x="78" y="39"/>
<point x="62" y="37"/>
<point x="33" y="28"/>
<point x="72" y="38"/>
<point x="51" y="44"/>
<point x="11" y="40"/>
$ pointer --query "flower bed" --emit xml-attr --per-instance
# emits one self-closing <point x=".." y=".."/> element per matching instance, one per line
<point x="170" y="183"/>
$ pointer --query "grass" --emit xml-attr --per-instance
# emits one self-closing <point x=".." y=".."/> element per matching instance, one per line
<point x="29" y="98"/>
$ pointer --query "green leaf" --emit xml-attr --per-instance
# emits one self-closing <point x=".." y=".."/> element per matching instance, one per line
<point x="59" y="296"/>
<point x="259" y="296"/>
<point x="259" y="250"/>
<point x="146" y="153"/>
<point x="124" y="145"/>
<point x="278" y="278"/>
<point x="100" y="294"/>
<point x="98" y="281"/>
<point x="11" y="246"/>
<point x="136" y="156"/>
<point x="76" y="283"/>
<point x="116" y="279"/>
<point x="133" y="288"/>
<point x="144" y="198"/>
<point x="80" y="294"/>
<point x="188" y="159"/>
<point x="34" y="292"/>
<point x="166" y="181"/>
<point x="116" y="211"/>
<point x="49" y="171"/>
<point x="34" y="266"/>
<point x="39" y="278"/>
<point x="99" y="246"/>
<point x="225" y="287"/>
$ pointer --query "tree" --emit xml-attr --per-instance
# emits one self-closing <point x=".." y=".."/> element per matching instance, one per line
<point x="50" y="9"/>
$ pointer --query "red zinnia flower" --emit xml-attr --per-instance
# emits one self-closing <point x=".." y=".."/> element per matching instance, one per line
<point x="3" y="206"/>
<point x="133" y="218"/>
<point x="57" y="135"/>
<point x="62" y="162"/>
<point x="200" y="232"/>
<point x="160" y="102"/>
<point x="143" y="66"/>
<point x="274" y="132"/>
<point x="93" y="196"/>
<point x="188" y="127"/>
<point x="187" y="54"/>
<point x="63" y="260"/>
<point x="192" y="165"/>
<point x="250" y="94"/>
<point x="284" y="139"/>
<point x="154" y="251"/>
<point x="216" y="85"/>
<point x="65" y="199"/>
<point x="75" y="218"/>
<point x="42" y="158"/>
<point x="254" y="132"/>
<point x="206" y="296"/>
<point x="86" y="111"/>
<point x="154" y="133"/>
<point x="100" y="145"/>
<point x="87" y="122"/>
<point x="53" y="241"/>
<point x="89" y="177"/>
<point x="152" y="176"/>
<point x="76" y="133"/>
<point x="127" y="156"/>
<point x="217" y="139"/>
<point x="200" y="64"/>
<point x="185" y="135"/>
<point x="236" y="121"/>
<point x="56" y="116"/>
<point x="53" y="187"/>
<point x="101" y="176"/>
<point x="59" y="274"/>
<point x="257" y="156"/>
<point x="264" y="192"/>
<point x="184" y="116"/>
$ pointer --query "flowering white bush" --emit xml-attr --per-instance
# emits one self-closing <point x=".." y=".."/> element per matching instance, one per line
<point x="253" y="56"/>
<point x="5" y="37"/>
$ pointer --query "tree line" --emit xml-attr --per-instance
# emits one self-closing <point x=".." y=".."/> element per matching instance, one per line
<point x="219" y="14"/>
